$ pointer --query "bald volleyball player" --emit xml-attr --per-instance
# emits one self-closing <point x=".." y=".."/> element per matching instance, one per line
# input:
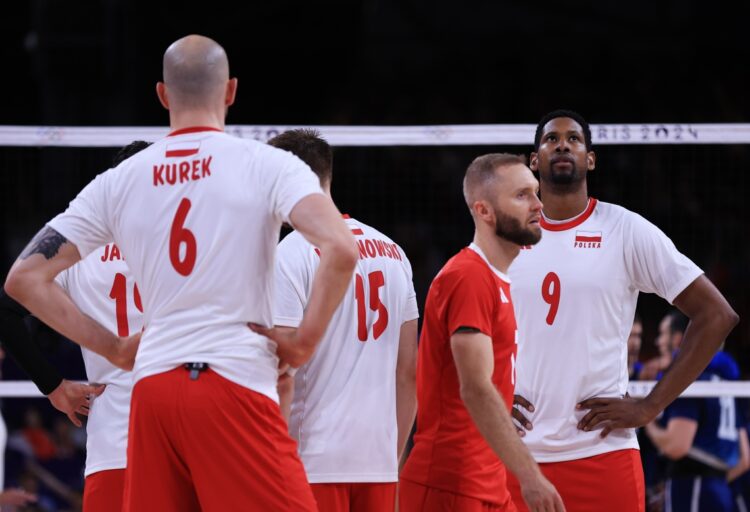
<point x="197" y="217"/>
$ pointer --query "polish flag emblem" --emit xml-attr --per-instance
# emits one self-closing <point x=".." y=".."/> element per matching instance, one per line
<point x="588" y="236"/>
<point x="183" y="148"/>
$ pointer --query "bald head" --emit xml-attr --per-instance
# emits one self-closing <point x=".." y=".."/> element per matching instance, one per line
<point x="196" y="71"/>
<point x="482" y="174"/>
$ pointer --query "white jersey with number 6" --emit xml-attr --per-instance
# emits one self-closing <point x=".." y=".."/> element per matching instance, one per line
<point x="103" y="288"/>
<point x="344" y="408"/>
<point x="575" y="295"/>
<point x="198" y="215"/>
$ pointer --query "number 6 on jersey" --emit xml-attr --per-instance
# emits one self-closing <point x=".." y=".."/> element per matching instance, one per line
<point x="179" y="235"/>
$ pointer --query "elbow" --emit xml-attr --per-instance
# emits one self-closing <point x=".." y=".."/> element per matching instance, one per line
<point x="348" y="252"/>
<point x="676" y="451"/>
<point x="341" y="252"/>
<point x="725" y="316"/>
<point x="731" y="319"/>
<point x="15" y="285"/>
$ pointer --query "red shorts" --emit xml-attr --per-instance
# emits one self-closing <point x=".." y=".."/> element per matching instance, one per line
<point x="355" y="497"/>
<point x="611" y="481"/>
<point x="414" y="497"/>
<point x="103" y="491"/>
<point x="212" y="445"/>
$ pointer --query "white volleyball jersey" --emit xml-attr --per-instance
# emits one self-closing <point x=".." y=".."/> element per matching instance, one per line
<point x="103" y="288"/>
<point x="198" y="215"/>
<point x="344" y="409"/>
<point x="575" y="295"/>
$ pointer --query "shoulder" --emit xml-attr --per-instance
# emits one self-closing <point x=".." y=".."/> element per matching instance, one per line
<point x="368" y="230"/>
<point x="629" y="218"/>
<point x="612" y="213"/>
<point x="466" y="267"/>
<point x="271" y="154"/>
<point x="371" y="232"/>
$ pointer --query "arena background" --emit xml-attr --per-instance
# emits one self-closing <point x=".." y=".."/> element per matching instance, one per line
<point x="396" y="62"/>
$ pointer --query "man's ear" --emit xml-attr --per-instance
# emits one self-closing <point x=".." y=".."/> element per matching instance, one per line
<point x="590" y="161"/>
<point x="534" y="162"/>
<point x="161" y="92"/>
<point x="231" y="92"/>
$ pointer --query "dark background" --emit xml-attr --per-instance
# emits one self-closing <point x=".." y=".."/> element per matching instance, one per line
<point x="407" y="62"/>
<point x="395" y="62"/>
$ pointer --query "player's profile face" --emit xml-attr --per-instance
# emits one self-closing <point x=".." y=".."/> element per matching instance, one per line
<point x="562" y="158"/>
<point x="634" y="339"/>
<point x="517" y="207"/>
<point x="663" y="341"/>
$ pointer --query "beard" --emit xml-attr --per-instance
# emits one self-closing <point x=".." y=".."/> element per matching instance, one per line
<point x="510" y="229"/>
<point x="564" y="177"/>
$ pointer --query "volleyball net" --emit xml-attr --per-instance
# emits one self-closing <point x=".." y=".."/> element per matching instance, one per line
<point x="689" y="179"/>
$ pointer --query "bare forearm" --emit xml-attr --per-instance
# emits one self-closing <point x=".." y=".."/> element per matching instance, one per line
<point x="50" y="304"/>
<point x="658" y="436"/>
<point x="18" y="342"/>
<point x="329" y="285"/>
<point x="493" y="421"/>
<point x="406" y="410"/>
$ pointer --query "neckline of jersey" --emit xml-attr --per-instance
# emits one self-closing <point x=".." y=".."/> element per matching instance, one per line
<point x="564" y="225"/>
<point x="193" y="129"/>
<point x="474" y="247"/>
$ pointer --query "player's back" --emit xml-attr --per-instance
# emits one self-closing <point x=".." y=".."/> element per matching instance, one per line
<point x="344" y="409"/>
<point x="103" y="288"/>
<point x="197" y="216"/>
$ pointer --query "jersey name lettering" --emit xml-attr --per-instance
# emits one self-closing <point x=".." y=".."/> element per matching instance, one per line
<point x="182" y="172"/>
<point x="111" y="253"/>
<point x="378" y="248"/>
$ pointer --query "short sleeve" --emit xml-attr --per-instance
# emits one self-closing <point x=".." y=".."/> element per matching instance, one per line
<point x="654" y="263"/>
<point x="292" y="277"/>
<point x="472" y="301"/>
<point x="411" y="310"/>
<point x="293" y="180"/>
<point x="685" y="408"/>
<point x="86" y="222"/>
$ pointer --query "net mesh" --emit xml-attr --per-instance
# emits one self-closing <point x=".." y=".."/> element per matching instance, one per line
<point x="693" y="192"/>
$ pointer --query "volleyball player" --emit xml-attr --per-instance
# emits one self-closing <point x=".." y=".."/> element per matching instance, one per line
<point x="198" y="215"/>
<point x="354" y="402"/>
<point x="575" y="294"/>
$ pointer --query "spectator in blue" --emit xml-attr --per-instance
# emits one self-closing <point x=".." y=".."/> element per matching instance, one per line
<point x="700" y="438"/>
<point x="739" y="476"/>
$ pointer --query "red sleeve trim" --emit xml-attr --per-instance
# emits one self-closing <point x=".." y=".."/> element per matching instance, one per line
<point x="575" y="221"/>
<point x="194" y="129"/>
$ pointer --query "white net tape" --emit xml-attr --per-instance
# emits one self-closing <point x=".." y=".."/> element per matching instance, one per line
<point x="430" y="135"/>
<point x="24" y="388"/>
<point x="434" y="135"/>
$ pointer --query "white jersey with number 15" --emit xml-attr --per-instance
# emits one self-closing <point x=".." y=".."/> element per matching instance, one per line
<point x="344" y="409"/>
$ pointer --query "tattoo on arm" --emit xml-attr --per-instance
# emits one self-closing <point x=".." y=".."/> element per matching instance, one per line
<point x="47" y="243"/>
